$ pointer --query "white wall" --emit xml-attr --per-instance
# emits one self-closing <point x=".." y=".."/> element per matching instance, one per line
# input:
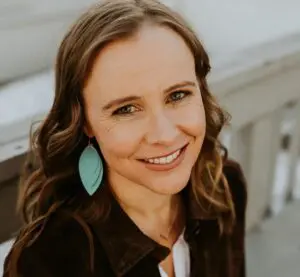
<point x="228" y="27"/>
<point x="30" y="32"/>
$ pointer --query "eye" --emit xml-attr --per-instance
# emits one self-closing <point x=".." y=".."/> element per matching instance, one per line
<point x="125" y="110"/>
<point x="178" y="95"/>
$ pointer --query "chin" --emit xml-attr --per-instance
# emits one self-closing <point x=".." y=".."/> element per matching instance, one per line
<point x="169" y="185"/>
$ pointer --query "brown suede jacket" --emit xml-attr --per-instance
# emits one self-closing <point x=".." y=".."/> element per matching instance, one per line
<point x="121" y="249"/>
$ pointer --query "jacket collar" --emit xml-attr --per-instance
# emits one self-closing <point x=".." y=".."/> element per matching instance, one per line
<point x="125" y="245"/>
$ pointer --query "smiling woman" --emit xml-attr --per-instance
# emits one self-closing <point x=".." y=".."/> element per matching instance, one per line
<point x="129" y="178"/>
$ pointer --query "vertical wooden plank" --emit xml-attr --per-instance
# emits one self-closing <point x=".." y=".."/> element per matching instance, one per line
<point x="275" y="146"/>
<point x="240" y="147"/>
<point x="225" y="137"/>
<point x="264" y="145"/>
<point x="294" y="153"/>
<point x="9" y="221"/>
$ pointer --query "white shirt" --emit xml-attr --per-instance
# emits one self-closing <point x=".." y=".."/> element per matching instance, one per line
<point x="181" y="259"/>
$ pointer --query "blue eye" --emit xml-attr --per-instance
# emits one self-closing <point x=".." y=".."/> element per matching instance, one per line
<point x="125" y="110"/>
<point x="178" y="95"/>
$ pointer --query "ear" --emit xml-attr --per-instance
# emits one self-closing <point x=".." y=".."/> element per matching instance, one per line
<point x="88" y="130"/>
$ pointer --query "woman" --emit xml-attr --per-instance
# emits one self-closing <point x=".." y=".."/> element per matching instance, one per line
<point x="129" y="178"/>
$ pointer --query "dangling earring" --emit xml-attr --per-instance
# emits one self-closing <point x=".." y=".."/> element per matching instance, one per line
<point x="90" y="169"/>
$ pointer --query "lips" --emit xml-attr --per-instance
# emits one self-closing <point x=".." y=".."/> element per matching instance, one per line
<point x="168" y="159"/>
<point x="164" y="160"/>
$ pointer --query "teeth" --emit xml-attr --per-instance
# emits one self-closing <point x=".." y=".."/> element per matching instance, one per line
<point x="164" y="160"/>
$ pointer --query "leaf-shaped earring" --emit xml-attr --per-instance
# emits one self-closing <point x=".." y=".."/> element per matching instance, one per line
<point x="90" y="169"/>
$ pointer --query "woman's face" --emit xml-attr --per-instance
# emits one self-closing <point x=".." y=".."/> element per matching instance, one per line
<point x="144" y="107"/>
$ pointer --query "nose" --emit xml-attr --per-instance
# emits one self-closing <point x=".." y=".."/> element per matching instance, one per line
<point x="162" y="130"/>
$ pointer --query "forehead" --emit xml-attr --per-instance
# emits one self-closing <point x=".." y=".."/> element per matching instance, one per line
<point x="154" y="59"/>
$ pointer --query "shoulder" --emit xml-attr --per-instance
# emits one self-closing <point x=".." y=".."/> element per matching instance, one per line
<point x="237" y="184"/>
<point x="60" y="233"/>
<point x="61" y="248"/>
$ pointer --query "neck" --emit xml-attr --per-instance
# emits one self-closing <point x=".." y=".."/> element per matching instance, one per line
<point x="149" y="210"/>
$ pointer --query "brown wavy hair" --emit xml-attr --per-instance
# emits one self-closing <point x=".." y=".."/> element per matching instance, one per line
<point x="50" y="180"/>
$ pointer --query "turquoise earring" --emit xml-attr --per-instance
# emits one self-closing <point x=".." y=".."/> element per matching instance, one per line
<point x="90" y="169"/>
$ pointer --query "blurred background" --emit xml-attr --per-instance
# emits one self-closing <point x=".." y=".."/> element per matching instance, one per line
<point x="254" y="47"/>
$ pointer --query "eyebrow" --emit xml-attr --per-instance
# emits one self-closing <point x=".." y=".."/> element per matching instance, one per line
<point x="120" y="101"/>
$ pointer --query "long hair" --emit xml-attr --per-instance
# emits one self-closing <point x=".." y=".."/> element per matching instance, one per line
<point x="50" y="180"/>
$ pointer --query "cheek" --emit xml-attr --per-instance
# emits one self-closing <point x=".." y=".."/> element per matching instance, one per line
<point x="117" y="141"/>
<point x="192" y="118"/>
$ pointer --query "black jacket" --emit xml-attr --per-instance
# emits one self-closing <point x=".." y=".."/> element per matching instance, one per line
<point x="121" y="249"/>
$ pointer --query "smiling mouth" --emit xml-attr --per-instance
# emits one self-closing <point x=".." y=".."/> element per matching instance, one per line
<point x="165" y="159"/>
